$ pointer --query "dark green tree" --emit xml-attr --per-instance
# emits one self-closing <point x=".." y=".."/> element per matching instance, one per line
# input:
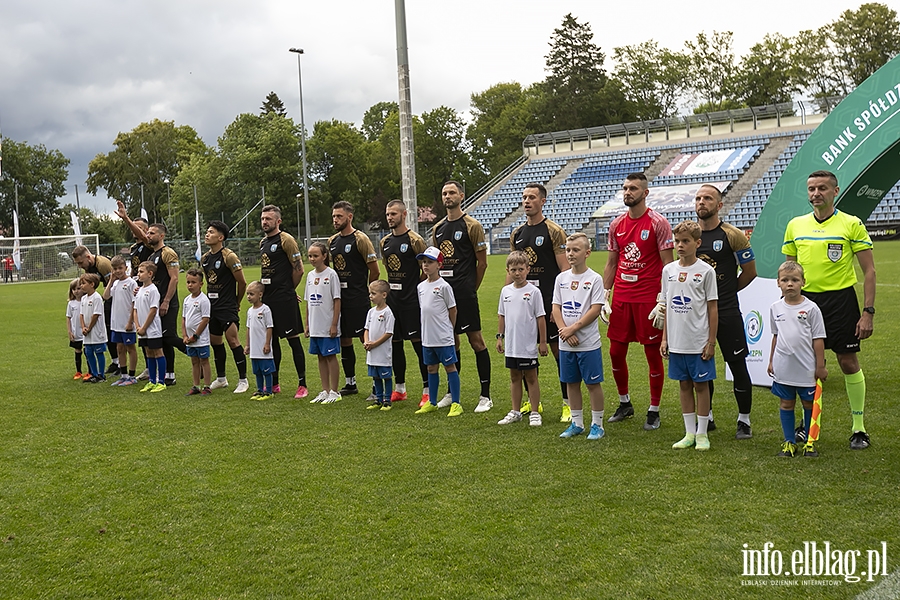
<point x="374" y="120"/>
<point x="865" y="39"/>
<point x="144" y="157"/>
<point x="766" y="74"/>
<point x="40" y="175"/>
<point x="815" y="64"/>
<point x="713" y="71"/>
<point x="502" y="116"/>
<point x="272" y="104"/>
<point x="653" y="78"/>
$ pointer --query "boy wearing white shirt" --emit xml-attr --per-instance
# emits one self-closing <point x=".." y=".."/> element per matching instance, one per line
<point x="195" y="326"/>
<point x="797" y="358"/>
<point x="121" y="290"/>
<point x="377" y="336"/>
<point x="690" y="294"/>
<point x="521" y="336"/>
<point x="577" y="301"/>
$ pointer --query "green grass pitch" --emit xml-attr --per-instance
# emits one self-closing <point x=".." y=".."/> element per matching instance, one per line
<point x="108" y="493"/>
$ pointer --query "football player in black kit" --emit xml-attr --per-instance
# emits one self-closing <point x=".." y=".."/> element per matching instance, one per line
<point x="398" y="252"/>
<point x="281" y="269"/>
<point x="460" y="239"/>
<point x="726" y="249"/>
<point x="353" y="258"/>
<point x="544" y="242"/>
<point x="225" y="287"/>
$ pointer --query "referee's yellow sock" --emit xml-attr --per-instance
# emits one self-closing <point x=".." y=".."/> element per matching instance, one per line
<point x="856" y="393"/>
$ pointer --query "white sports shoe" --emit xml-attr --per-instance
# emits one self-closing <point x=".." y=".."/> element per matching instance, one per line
<point x="218" y="384"/>
<point x="372" y="397"/>
<point x="320" y="398"/>
<point x="446" y="401"/>
<point x="534" y="419"/>
<point x="332" y="397"/>
<point x="241" y="387"/>
<point x="511" y="417"/>
<point x="484" y="405"/>
<point x="145" y="375"/>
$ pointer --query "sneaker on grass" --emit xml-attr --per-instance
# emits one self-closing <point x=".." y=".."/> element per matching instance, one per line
<point x="455" y="410"/>
<point x="149" y="387"/>
<point x="624" y="411"/>
<point x="484" y="404"/>
<point x="145" y="375"/>
<point x="242" y="387"/>
<point x="701" y="442"/>
<point x="566" y="416"/>
<point x="859" y="440"/>
<point x="386" y="406"/>
<point x="652" y="420"/>
<point x="374" y="405"/>
<point x="302" y="392"/>
<point x="788" y="450"/>
<point x="511" y="417"/>
<point x="526" y="408"/>
<point x="446" y="401"/>
<point x="743" y="431"/>
<point x="429" y="407"/>
<point x="809" y="450"/>
<point x="159" y="387"/>
<point x="425" y="399"/>
<point x="687" y="441"/>
<point x="534" y="419"/>
<point x="219" y="383"/>
<point x="571" y="431"/>
<point x="398" y="396"/>
<point x="596" y="432"/>
<point x="332" y="398"/>
<point x="800" y="435"/>
<point x="319" y="398"/>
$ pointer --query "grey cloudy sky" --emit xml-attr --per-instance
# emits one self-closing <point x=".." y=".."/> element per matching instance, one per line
<point x="74" y="74"/>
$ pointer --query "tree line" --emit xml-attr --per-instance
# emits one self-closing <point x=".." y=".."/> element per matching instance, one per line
<point x="158" y="164"/>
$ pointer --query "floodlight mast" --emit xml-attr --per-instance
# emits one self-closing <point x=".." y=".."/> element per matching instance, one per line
<point x="407" y="154"/>
<point x="298" y="52"/>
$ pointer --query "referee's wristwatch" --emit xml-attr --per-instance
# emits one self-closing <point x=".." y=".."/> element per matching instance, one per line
<point x="869" y="309"/>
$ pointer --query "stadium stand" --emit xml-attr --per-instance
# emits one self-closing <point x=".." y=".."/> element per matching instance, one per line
<point x="580" y="183"/>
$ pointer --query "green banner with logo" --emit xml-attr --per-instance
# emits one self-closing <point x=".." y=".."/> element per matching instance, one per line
<point x="859" y="142"/>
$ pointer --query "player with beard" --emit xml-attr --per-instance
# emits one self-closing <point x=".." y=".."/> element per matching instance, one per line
<point x="640" y="245"/>
<point x="225" y="287"/>
<point x="460" y="239"/>
<point x="353" y="258"/>
<point x="281" y="269"/>
<point x="398" y="252"/>
<point x="166" y="281"/>
<point x="544" y="242"/>
<point x="726" y="249"/>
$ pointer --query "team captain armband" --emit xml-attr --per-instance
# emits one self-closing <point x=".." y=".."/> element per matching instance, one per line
<point x="744" y="256"/>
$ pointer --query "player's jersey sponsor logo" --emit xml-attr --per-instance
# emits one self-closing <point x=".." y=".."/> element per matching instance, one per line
<point x="718" y="245"/>
<point x="681" y="304"/>
<point x="645" y="234"/>
<point x="802" y="316"/>
<point x="698" y="277"/>
<point x="586" y="285"/>
<point x="526" y="297"/>
<point x="381" y="317"/>
<point x="632" y="252"/>
<point x="436" y="291"/>
<point x="572" y="305"/>
<point x="835" y="251"/>
<point x="539" y="240"/>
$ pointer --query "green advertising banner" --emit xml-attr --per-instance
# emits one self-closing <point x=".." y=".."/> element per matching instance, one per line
<point x="859" y="142"/>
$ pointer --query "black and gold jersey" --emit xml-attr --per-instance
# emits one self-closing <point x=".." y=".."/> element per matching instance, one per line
<point x="102" y="267"/>
<point x="542" y="243"/>
<point x="459" y="241"/>
<point x="221" y="286"/>
<point x="139" y="253"/>
<point x="398" y="253"/>
<point x="350" y="258"/>
<point x="725" y="249"/>
<point x="279" y="254"/>
<point x="164" y="258"/>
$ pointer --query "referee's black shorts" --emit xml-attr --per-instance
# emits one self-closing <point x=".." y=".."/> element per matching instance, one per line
<point x="840" y="311"/>
<point x="286" y="320"/>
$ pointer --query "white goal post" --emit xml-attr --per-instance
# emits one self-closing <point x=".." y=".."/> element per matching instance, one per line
<point x="44" y="258"/>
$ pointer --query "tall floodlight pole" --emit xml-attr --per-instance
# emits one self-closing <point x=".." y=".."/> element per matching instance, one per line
<point x="407" y="156"/>
<point x="168" y="200"/>
<point x="298" y="52"/>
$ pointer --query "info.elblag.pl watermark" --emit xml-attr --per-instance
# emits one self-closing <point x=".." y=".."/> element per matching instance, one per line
<point x="812" y="564"/>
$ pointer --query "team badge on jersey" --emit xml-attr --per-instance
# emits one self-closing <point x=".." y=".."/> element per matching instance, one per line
<point x="574" y="285"/>
<point x="835" y="251"/>
<point x="539" y="240"/>
<point x="526" y="297"/>
<point x="218" y="264"/>
<point x="586" y="286"/>
<point x="682" y="277"/>
<point x="457" y="235"/>
<point x="717" y="245"/>
<point x="802" y="316"/>
<point x="645" y="234"/>
<point x="273" y="247"/>
<point x="316" y="282"/>
<point x="347" y="248"/>
<point x="698" y="277"/>
<point x="404" y="247"/>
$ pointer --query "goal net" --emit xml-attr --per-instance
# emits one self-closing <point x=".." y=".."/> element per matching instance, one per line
<point x="42" y="258"/>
